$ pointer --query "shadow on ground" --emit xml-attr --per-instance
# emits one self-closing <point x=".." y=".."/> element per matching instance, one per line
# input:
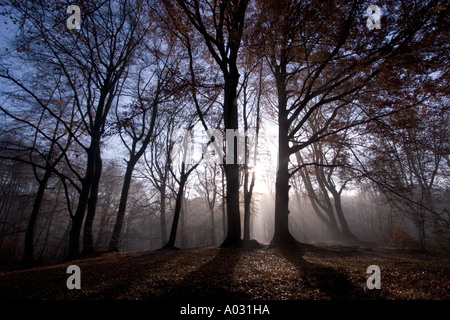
<point x="327" y="282"/>
<point x="212" y="280"/>
<point x="212" y="274"/>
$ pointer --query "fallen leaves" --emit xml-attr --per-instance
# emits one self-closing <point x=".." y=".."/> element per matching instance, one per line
<point x="217" y="274"/>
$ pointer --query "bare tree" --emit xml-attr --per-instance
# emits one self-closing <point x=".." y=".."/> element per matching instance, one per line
<point x="207" y="179"/>
<point x="157" y="166"/>
<point x="322" y="162"/>
<point x="407" y="160"/>
<point x="326" y="67"/>
<point x="251" y="96"/>
<point x="137" y="120"/>
<point x="221" y="26"/>
<point x="93" y="61"/>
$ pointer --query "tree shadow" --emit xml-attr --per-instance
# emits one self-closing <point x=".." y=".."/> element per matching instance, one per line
<point x="326" y="282"/>
<point x="213" y="281"/>
<point x="120" y="282"/>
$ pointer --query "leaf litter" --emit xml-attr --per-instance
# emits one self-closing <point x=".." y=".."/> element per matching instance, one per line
<point x="255" y="274"/>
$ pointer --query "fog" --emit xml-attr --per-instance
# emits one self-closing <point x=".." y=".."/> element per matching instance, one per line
<point x="101" y="146"/>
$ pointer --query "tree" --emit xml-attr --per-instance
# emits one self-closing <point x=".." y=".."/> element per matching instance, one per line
<point x="250" y="147"/>
<point x="137" y="120"/>
<point x="93" y="61"/>
<point x="128" y="29"/>
<point x="17" y="193"/>
<point x="184" y="175"/>
<point x="51" y="158"/>
<point x="208" y="182"/>
<point x="221" y="25"/>
<point x="407" y="160"/>
<point x="322" y="163"/>
<point x="110" y="188"/>
<point x="316" y="65"/>
<point x="158" y="162"/>
<point x="42" y="109"/>
<point x="184" y="159"/>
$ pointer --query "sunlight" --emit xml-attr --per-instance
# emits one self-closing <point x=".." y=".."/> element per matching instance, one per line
<point x="260" y="172"/>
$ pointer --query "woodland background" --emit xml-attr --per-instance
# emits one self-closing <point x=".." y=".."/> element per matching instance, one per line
<point x="351" y="125"/>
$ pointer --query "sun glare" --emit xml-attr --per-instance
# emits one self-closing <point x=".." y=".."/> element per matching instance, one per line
<point x="260" y="172"/>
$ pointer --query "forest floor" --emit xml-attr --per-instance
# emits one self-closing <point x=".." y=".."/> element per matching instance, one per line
<point x="213" y="274"/>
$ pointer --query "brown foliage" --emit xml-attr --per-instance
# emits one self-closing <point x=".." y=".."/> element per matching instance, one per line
<point x="399" y="238"/>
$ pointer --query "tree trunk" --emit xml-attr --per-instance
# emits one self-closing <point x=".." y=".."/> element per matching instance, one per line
<point x="114" y="243"/>
<point x="248" y="193"/>
<point x="326" y="198"/>
<point x="231" y="18"/>
<point x="282" y="236"/>
<point x="29" y="236"/>
<point x="346" y="233"/>
<point x="163" y="216"/>
<point x="88" y="242"/>
<point x="75" y="229"/>
<point x="176" y="216"/>
<point x="77" y="219"/>
<point x="233" y="237"/>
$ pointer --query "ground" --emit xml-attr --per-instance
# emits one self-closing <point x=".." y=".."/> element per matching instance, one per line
<point x="217" y="274"/>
